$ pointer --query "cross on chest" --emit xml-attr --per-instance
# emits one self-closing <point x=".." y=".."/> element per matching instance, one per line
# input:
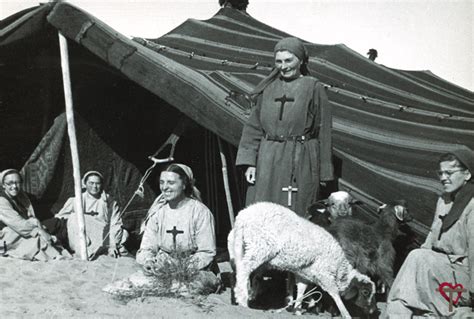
<point x="175" y="232"/>
<point x="283" y="100"/>
<point x="290" y="189"/>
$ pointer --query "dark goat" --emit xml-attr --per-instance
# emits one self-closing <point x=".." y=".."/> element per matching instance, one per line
<point x="370" y="247"/>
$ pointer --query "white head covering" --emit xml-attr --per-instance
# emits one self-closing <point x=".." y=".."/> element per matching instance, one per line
<point x="8" y="172"/>
<point x="187" y="170"/>
<point x="89" y="173"/>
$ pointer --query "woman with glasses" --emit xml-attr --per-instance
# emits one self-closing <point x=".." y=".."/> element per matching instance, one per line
<point x="21" y="233"/>
<point x="446" y="259"/>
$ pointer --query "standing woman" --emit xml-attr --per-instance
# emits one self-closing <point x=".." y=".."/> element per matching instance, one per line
<point x="21" y="233"/>
<point x="286" y="144"/>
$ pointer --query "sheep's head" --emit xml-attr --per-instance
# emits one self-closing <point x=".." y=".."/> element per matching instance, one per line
<point x="324" y="212"/>
<point x="340" y="204"/>
<point x="361" y="292"/>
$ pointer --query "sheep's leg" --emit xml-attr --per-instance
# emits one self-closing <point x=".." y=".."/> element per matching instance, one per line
<point x="256" y="254"/>
<point x="290" y="289"/>
<point x="241" y="288"/>
<point x="340" y="305"/>
<point x="300" y="290"/>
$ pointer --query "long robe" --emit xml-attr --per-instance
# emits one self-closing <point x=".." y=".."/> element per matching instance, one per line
<point x="20" y="233"/>
<point x="196" y="222"/>
<point x="279" y="164"/>
<point x="446" y="258"/>
<point x="101" y="215"/>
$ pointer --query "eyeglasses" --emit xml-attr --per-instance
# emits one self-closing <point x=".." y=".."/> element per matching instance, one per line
<point x="9" y="184"/>
<point x="448" y="173"/>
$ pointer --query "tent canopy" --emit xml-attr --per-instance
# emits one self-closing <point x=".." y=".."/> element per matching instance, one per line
<point x="389" y="126"/>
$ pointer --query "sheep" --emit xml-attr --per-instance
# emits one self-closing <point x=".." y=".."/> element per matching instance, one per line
<point x="270" y="235"/>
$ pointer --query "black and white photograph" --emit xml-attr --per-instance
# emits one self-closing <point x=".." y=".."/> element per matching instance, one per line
<point x="237" y="159"/>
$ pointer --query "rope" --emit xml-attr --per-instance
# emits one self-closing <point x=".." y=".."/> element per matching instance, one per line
<point x="306" y="295"/>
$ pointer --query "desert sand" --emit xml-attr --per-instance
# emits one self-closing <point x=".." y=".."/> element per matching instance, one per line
<point x="73" y="289"/>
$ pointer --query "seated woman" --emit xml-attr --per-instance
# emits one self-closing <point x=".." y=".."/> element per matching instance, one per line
<point x="21" y="234"/>
<point x="101" y="216"/>
<point x="447" y="256"/>
<point x="178" y="223"/>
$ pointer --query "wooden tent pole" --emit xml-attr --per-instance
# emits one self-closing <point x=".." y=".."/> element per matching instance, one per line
<point x="226" y="183"/>
<point x="71" y="129"/>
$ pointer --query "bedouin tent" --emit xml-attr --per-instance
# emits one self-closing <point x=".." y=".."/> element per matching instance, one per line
<point x="389" y="125"/>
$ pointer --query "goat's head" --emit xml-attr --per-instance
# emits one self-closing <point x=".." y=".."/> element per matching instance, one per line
<point x="399" y="209"/>
<point x="361" y="292"/>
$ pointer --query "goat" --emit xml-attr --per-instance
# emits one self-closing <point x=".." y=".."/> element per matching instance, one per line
<point x="270" y="235"/>
<point x="369" y="248"/>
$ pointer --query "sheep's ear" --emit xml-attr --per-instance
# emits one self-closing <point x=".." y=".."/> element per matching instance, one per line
<point x="352" y="290"/>
<point x="400" y="212"/>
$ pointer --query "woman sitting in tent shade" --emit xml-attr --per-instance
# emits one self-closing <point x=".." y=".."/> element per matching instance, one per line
<point x="21" y="234"/>
<point x="178" y="223"/>
<point x="102" y="220"/>
<point x="179" y="244"/>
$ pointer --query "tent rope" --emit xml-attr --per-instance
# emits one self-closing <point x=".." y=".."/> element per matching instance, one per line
<point x="172" y="140"/>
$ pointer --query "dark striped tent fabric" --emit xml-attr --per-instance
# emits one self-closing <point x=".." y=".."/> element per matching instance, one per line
<point x="390" y="126"/>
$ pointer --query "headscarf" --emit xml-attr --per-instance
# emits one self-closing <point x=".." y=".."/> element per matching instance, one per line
<point x="89" y="173"/>
<point x="466" y="156"/>
<point x="293" y="45"/>
<point x="6" y="172"/>
<point x="196" y="194"/>
<point x="462" y="197"/>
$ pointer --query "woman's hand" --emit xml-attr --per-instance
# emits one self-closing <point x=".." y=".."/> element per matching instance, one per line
<point x="45" y="235"/>
<point x="250" y="174"/>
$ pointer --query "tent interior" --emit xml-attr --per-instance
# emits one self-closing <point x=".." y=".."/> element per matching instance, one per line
<point x="124" y="117"/>
<point x="389" y="125"/>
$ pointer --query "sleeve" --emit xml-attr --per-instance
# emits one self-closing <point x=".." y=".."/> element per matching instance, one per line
<point x="24" y="227"/>
<point x="205" y="239"/>
<point x="116" y="230"/>
<point x="428" y="244"/>
<point x="252" y="134"/>
<point x="325" y="133"/>
<point x="470" y="244"/>
<point x="67" y="209"/>
<point x="148" y="247"/>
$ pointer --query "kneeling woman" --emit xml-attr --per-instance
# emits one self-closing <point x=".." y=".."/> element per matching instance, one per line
<point x="178" y="223"/>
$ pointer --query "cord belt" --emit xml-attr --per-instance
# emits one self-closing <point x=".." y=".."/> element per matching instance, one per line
<point x="282" y="138"/>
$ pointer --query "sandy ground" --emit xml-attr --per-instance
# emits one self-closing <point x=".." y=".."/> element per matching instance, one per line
<point x="73" y="288"/>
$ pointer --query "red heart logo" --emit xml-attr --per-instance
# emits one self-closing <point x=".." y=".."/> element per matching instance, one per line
<point x="458" y="289"/>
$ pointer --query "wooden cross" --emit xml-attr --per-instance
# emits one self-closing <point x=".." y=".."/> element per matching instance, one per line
<point x="283" y="100"/>
<point x="290" y="189"/>
<point x="175" y="233"/>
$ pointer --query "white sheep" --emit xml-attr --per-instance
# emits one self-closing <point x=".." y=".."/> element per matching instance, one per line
<point x="270" y="235"/>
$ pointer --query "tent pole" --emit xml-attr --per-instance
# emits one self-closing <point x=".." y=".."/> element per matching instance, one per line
<point x="71" y="129"/>
<point x="226" y="183"/>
